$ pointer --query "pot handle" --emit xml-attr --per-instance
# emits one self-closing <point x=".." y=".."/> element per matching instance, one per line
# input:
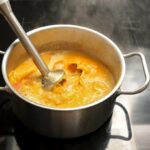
<point x="146" y="73"/>
<point x="3" y="88"/>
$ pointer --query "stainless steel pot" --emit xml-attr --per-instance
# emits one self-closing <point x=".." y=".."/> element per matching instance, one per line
<point x="70" y="122"/>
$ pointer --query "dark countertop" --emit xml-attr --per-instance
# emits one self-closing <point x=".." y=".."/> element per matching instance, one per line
<point x="126" y="22"/>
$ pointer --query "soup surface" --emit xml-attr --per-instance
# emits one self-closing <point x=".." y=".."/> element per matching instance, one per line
<point x="85" y="81"/>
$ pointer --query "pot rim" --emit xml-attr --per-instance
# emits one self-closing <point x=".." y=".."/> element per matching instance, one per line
<point x="4" y="62"/>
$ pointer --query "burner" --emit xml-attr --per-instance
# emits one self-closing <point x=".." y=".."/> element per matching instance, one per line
<point x="27" y="139"/>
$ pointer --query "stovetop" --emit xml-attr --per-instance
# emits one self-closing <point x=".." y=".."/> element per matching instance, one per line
<point x="127" y="24"/>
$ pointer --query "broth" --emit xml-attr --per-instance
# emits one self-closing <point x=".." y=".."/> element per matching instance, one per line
<point x="85" y="81"/>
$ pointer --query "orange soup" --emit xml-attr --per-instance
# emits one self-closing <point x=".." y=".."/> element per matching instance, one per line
<point x="85" y="81"/>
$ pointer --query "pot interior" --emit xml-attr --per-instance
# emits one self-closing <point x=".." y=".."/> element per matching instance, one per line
<point x="70" y="38"/>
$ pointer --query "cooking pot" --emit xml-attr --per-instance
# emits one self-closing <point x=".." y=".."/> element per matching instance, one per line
<point x="68" y="122"/>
